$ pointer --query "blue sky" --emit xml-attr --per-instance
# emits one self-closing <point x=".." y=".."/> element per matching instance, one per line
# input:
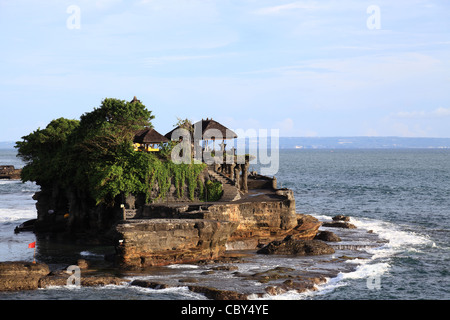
<point x="307" y="68"/>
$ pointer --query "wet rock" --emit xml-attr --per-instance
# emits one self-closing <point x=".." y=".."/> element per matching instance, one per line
<point x="218" y="294"/>
<point x="190" y="280"/>
<point x="339" y="224"/>
<point x="344" y="257"/>
<point x="26" y="226"/>
<point x="208" y="272"/>
<point x="225" y="268"/>
<point x="9" y="172"/>
<point x="274" y="290"/>
<point x="149" y="284"/>
<point x="307" y="227"/>
<point x="83" y="264"/>
<point x="291" y="246"/>
<point x="272" y="274"/>
<point x="327" y="236"/>
<point x="341" y="217"/>
<point x="209" y="292"/>
<point x="20" y="275"/>
<point x="60" y="277"/>
<point x="54" y="278"/>
<point x="101" y="280"/>
<point x="299" y="284"/>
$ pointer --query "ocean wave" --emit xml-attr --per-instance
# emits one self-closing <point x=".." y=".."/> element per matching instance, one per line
<point x="169" y="293"/>
<point x="182" y="266"/>
<point x="16" y="215"/>
<point x="397" y="239"/>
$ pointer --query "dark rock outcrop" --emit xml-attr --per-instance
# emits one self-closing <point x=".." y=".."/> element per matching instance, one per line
<point x="327" y="236"/>
<point x="26" y="226"/>
<point x="20" y="275"/>
<point x="209" y="292"/>
<point x="289" y="246"/>
<point x="87" y="279"/>
<point x="306" y="229"/>
<point x="149" y="284"/>
<point x="341" y="217"/>
<point x="299" y="285"/>
<point x="218" y="294"/>
<point x="339" y="224"/>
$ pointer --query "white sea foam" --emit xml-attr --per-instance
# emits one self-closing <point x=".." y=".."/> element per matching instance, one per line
<point x="13" y="215"/>
<point x="178" y="292"/>
<point x="397" y="240"/>
<point x="90" y="254"/>
<point x="183" y="266"/>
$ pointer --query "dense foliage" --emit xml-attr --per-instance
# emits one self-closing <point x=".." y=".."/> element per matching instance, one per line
<point x="214" y="190"/>
<point x="96" y="154"/>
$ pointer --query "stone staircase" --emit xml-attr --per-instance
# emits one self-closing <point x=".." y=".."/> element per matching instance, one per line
<point x="230" y="192"/>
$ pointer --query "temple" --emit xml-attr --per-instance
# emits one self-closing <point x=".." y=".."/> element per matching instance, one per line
<point x="192" y="212"/>
<point x="148" y="140"/>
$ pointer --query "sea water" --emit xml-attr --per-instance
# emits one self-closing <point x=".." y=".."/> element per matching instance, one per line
<point x="402" y="195"/>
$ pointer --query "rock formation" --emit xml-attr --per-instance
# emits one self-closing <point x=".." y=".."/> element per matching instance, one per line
<point x="339" y="224"/>
<point x="327" y="236"/>
<point x="9" y="172"/>
<point x="290" y="246"/>
<point x="178" y="231"/>
<point x="150" y="242"/>
<point x="19" y="275"/>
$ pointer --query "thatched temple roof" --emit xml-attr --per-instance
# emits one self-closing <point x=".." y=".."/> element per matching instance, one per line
<point x="207" y="124"/>
<point x="212" y="124"/>
<point x="148" y="136"/>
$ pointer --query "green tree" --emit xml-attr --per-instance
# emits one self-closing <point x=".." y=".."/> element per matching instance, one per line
<point x="103" y="149"/>
<point x="44" y="151"/>
<point x="95" y="155"/>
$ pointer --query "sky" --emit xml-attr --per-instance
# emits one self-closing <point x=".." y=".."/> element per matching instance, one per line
<point x="307" y="68"/>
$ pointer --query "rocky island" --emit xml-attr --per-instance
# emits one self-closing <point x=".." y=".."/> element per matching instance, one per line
<point x="112" y="179"/>
<point x="8" y="172"/>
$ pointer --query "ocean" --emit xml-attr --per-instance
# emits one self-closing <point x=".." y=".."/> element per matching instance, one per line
<point x="402" y="195"/>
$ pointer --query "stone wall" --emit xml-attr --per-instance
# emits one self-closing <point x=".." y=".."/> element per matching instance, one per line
<point x="256" y="218"/>
<point x="259" y="222"/>
<point x="152" y="242"/>
<point x="169" y="234"/>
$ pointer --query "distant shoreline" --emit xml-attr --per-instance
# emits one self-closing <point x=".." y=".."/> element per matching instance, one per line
<point x="338" y="143"/>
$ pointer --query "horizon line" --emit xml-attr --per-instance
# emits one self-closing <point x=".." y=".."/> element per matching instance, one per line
<point x="315" y="137"/>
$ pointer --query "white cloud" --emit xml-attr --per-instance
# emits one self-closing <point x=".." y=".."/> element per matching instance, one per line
<point x="288" y="128"/>
<point x="404" y="130"/>
<point x="105" y="4"/>
<point x="152" y="61"/>
<point x="439" y="112"/>
<point x="290" y="6"/>
<point x="285" y="126"/>
<point x="442" y="112"/>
